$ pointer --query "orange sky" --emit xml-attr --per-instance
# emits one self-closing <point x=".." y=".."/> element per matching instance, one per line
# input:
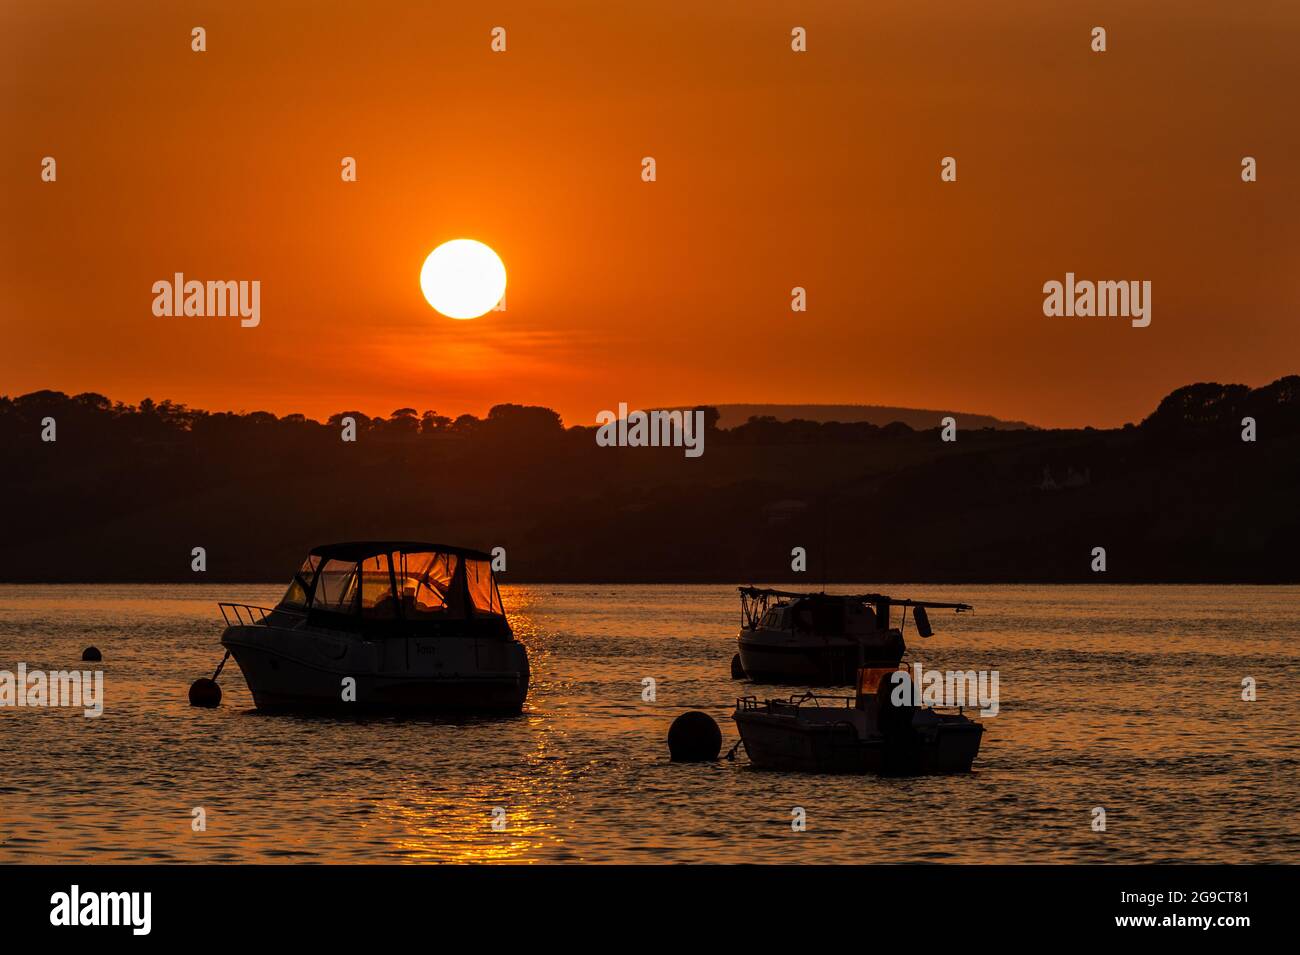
<point x="775" y="169"/>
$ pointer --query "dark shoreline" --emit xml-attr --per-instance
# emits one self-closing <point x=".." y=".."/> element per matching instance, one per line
<point x="1193" y="494"/>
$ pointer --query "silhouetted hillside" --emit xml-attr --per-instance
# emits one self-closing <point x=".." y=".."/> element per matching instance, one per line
<point x="919" y="418"/>
<point x="125" y="492"/>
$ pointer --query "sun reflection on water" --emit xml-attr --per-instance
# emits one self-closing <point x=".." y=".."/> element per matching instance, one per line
<point x="425" y="825"/>
<point x="461" y="830"/>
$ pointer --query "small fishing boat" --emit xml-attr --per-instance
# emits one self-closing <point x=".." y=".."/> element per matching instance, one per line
<point x="382" y="625"/>
<point x="821" y="639"/>
<point x="872" y="732"/>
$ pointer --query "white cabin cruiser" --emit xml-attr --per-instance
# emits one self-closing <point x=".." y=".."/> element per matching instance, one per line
<point x="821" y="639"/>
<point x="415" y="626"/>
<point x="872" y="732"/>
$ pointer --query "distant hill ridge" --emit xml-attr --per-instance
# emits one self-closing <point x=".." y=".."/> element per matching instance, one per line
<point x="919" y="419"/>
<point x="1201" y="490"/>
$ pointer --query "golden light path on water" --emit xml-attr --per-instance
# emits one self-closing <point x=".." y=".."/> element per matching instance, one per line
<point x="1124" y="697"/>
<point x="424" y="825"/>
<point x="532" y="796"/>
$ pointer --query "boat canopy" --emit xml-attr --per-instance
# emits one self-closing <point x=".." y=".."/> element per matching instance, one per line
<point x="359" y="550"/>
<point x="754" y="603"/>
<point x="394" y="582"/>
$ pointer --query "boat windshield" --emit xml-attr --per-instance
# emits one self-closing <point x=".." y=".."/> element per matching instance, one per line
<point x="295" y="598"/>
<point x="336" y="587"/>
<point x="410" y="585"/>
<point x="820" y="614"/>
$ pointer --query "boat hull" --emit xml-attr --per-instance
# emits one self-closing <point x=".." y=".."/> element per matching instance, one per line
<point x="777" y="743"/>
<point x="779" y="657"/>
<point x="290" y="670"/>
<point x="952" y="749"/>
<point x="787" y="743"/>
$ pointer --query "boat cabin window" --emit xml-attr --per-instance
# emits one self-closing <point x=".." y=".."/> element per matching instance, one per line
<point x="424" y="583"/>
<point x="377" y="600"/>
<point x="775" y="619"/>
<point x="396" y="586"/>
<point x="482" y="588"/>
<point x="336" y="587"/>
<point x="295" y="598"/>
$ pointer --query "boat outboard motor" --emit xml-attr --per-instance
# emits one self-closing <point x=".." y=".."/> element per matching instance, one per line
<point x="892" y="716"/>
<point x="894" y="721"/>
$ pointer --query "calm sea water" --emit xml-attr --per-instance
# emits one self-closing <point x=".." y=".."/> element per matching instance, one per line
<point x="1127" y="698"/>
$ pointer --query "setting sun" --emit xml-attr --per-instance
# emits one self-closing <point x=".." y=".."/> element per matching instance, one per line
<point x="463" y="278"/>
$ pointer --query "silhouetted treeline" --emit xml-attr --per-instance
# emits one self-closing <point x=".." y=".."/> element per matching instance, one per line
<point x="125" y="492"/>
